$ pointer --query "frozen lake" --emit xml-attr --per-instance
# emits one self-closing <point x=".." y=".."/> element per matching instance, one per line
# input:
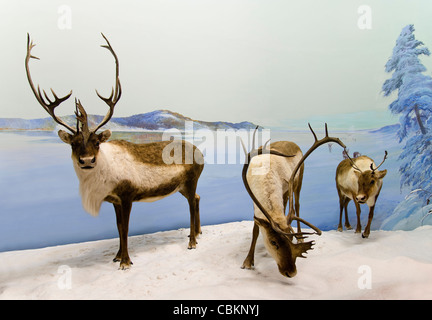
<point x="41" y="205"/>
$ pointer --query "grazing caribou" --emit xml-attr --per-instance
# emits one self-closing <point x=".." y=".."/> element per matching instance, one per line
<point x="278" y="178"/>
<point x="359" y="180"/>
<point x="122" y="172"/>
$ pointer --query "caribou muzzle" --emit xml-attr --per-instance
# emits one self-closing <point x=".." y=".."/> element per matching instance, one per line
<point x="87" y="162"/>
<point x="288" y="274"/>
<point x="361" y="198"/>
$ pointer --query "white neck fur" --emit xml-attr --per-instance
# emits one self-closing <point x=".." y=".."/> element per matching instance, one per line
<point x="94" y="184"/>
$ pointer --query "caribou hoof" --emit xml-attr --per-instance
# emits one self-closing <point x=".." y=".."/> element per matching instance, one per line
<point x="124" y="265"/>
<point x="365" y="236"/>
<point x="247" y="265"/>
<point x="192" y="245"/>
<point x="117" y="258"/>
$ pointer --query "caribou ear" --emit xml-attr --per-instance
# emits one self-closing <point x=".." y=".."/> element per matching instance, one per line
<point x="65" y="136"/>
<point x="262" y="223"/>
<point x="381" y="174"/>
<point x="104" y="136"/>
<point x="283" y="229"/>
<point x="299" y="248"/>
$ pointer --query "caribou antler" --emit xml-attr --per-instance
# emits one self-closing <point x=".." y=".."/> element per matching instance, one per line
<point x="81" y="115"/>
<point x="352" y="161"/>
<point x="385" y="157"/>
<point x="115" y="93"/>
<point x="255" y="152"/>
<point x="48" y="105"/>
<point x="291" y="216"/>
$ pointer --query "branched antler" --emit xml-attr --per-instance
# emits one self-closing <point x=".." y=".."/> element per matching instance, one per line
<point x="115" y="93"/>
<point x="254" y="152"/>
<point x="385" y="157"/>
<point x="81" y="115"/>
<point x="258" y="151"/>
<point x="48" y="105"/>
<point x="291" y="216"/>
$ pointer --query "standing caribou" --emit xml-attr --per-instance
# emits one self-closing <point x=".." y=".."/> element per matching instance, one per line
<point x="271" y="181"/>
<point x="121" y="172"/>
<point x="359" y="180"/>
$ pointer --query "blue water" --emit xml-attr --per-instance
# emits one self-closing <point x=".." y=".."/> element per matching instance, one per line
<point x="40" y="204"/>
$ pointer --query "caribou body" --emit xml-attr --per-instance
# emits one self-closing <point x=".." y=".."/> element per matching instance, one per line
<point x="359" y="180"/>
<point x="272" y="179"/>
<point x="122" y="172"/>
<point x="268" y="176"/>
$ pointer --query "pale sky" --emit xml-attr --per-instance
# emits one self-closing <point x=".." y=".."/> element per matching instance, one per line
<point x="265" y="61"/>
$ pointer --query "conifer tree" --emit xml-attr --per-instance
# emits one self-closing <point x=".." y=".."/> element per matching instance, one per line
<point x="414" y="105"/>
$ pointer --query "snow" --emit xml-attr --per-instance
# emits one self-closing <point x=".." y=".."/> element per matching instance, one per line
<point x="388" y="265"/>
<point x="411" y="212"/>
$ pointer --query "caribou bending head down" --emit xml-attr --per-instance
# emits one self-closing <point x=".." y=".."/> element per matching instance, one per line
<point x="121" y="172"/>
<point x="278" y="178"/>
<point x="360" y="180"/>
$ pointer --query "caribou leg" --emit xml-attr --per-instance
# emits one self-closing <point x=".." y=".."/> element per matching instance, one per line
<point x="366" y="231"/>
<point x="358" y="211"/>
<point x="297" y="189"/>
<point x="347" y="224"/>
<point x="249" y="261"/>
<point x="122" y="214"/>
<point x="193" y="225"/>
<point x="343" y="204"/>
<point x="197" y="216"/>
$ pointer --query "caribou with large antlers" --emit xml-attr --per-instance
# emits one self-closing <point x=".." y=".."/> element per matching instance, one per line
<point x="272" y="177"/>
<point x="359" y="180"/>
<point x="121" y="172"/>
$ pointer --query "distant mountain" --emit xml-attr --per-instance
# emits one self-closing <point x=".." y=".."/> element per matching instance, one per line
<point x="156" y="120"/>
<point x="349" y="121"/>
<point x="391" y="129"/>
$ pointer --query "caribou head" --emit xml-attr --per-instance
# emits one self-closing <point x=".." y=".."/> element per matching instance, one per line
<point x="368" y="180"/>
<point x="84" y="141"/>
<point x="282" y="247"/>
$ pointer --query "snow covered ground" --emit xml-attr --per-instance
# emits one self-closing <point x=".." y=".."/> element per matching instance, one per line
<point x="388" y="265"/>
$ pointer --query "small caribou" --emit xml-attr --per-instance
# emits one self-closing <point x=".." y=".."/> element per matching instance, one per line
<point x="277" y="179"/>
<point x="121" y="172"/>
<point x="359" y="180"/>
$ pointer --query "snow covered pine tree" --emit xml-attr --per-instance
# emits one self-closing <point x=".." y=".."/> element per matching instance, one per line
<point x="414" y="105"/>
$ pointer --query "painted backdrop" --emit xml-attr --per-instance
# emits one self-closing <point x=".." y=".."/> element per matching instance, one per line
<point x="363" y="69"/>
